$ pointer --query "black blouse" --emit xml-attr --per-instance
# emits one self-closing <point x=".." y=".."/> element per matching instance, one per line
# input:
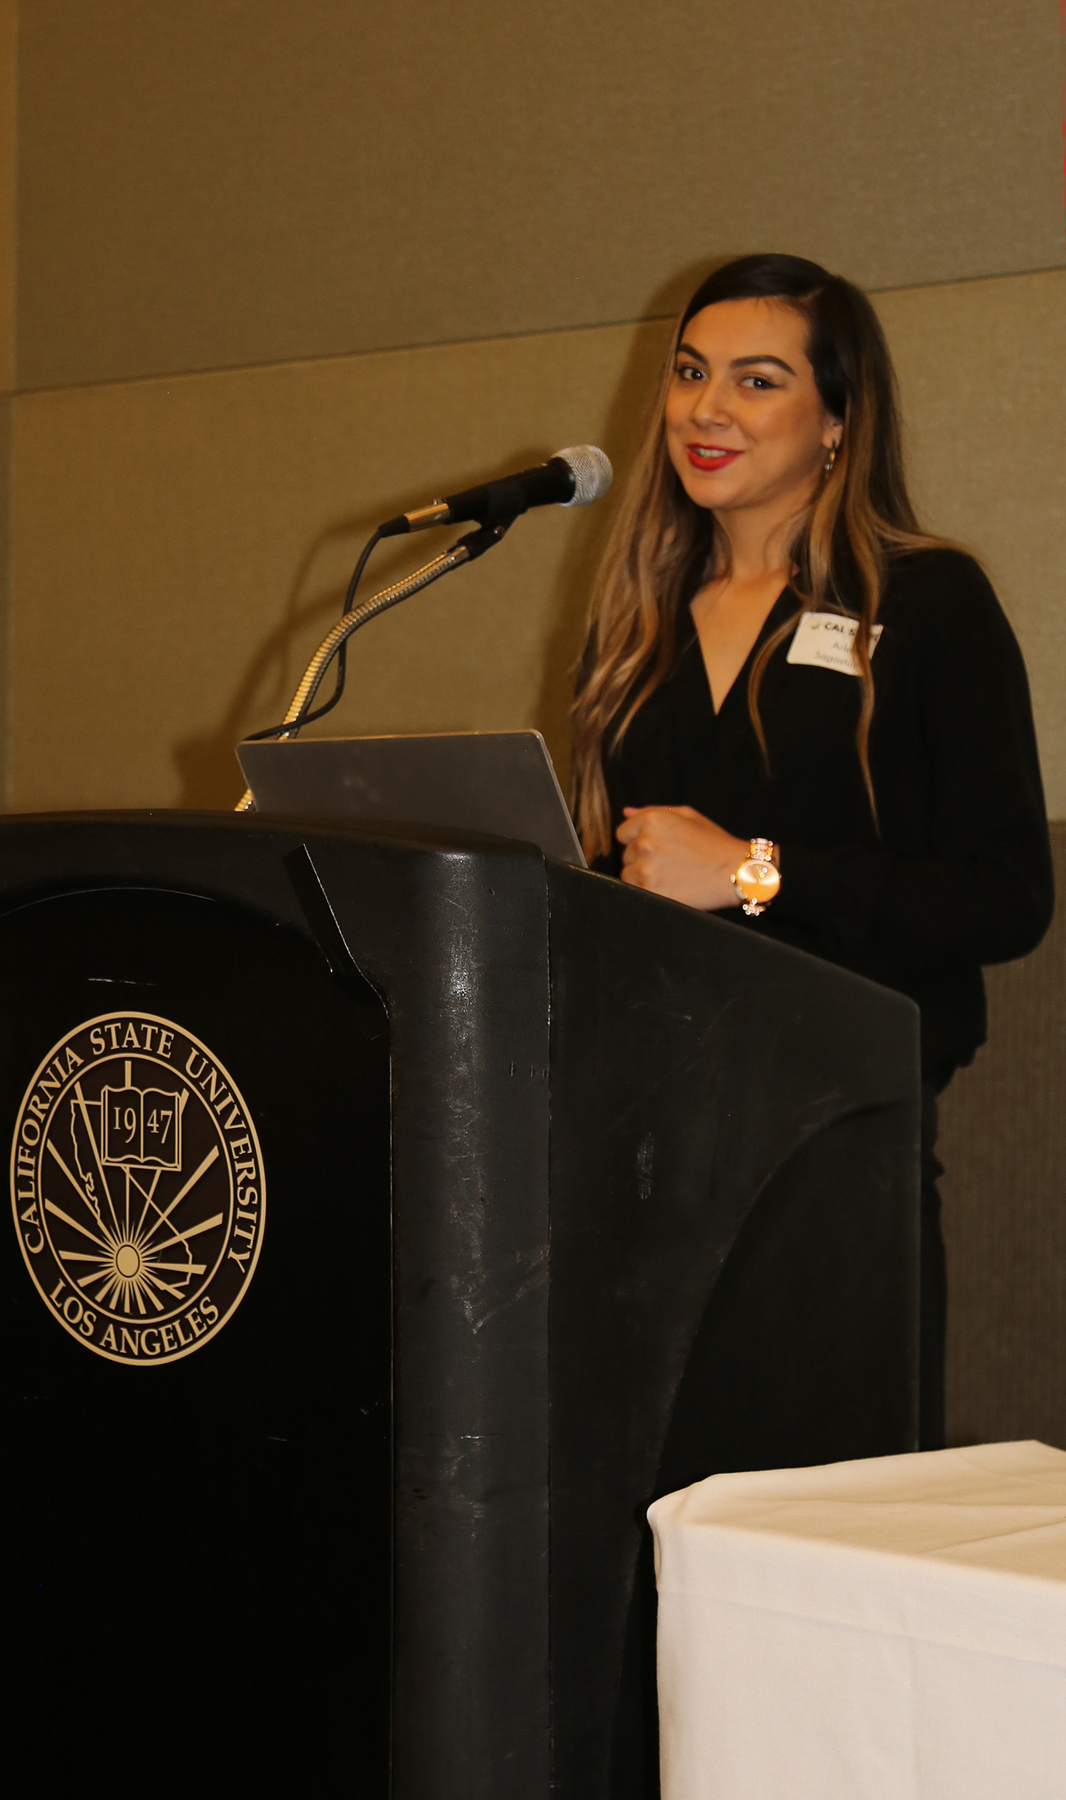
<point x="957" y="870"/>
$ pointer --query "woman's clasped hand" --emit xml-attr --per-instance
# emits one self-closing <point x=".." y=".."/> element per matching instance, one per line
<point x="677" y="852"/>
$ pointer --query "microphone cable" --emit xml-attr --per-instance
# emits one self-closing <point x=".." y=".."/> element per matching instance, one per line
<point x="341" y="659"/>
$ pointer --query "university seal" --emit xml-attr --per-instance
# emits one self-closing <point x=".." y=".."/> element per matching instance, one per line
<point x="138" y="1189"/>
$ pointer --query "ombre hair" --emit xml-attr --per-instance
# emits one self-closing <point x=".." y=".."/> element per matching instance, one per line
<point x="661" y="539"/>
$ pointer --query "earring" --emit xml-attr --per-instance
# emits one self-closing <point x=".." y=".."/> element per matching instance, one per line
<point x="830" y="458"/>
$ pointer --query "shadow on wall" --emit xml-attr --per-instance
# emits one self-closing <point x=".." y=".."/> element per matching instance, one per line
<point x="207" y="767"/>
<point x="210" y="775"/>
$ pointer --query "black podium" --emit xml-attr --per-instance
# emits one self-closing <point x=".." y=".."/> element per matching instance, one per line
<point x="394" y="1217"/>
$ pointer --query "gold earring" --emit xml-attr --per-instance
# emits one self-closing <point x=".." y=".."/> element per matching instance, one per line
<point x="830" y="458"/>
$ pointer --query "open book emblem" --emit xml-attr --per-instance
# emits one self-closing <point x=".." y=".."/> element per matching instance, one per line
<point x="138" y="1188"/>
<point x="141" y="1127"/>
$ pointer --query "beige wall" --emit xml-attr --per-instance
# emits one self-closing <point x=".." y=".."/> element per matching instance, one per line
<point x="211" y="183"/>
<point x="210" y="523"/>
<point x="1003" y="1144"/>
<point x="181" y="544"/>
<point x="8" y="96"/>
<point x="982" y="368"/>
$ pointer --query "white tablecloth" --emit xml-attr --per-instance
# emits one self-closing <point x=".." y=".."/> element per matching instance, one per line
<point x="871" y="1630"/>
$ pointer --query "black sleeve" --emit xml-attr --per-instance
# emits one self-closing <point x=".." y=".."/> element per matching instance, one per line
<point x="982" y="890"/>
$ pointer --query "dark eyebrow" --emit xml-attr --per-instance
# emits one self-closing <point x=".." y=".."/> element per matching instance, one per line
<point x="746" y="362"/>
<point x="740" y="362"/>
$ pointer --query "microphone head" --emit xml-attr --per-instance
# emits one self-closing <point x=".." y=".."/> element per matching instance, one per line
<point x="593" y="473"/>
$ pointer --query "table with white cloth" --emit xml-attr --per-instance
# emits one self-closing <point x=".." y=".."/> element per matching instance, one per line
<point x="881" y="1629"/>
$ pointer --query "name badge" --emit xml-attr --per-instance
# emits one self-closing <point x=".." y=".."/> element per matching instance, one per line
<point x="826" y="641"/>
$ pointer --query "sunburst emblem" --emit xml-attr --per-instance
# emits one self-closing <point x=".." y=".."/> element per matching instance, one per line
<point x="138" y="1188"/>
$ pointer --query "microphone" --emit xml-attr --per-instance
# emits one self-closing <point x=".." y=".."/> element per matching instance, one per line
<point x="573" y="477"/>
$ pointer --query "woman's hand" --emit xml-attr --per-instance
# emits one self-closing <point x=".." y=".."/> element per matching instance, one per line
<point x="676" y="852"/>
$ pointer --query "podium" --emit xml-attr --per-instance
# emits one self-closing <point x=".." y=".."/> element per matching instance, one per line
<point x="398" y="1214"/>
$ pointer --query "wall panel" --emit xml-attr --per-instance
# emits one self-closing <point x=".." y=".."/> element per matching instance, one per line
<point x="215" y="182"/>
<point x="982" y="368"/>
<point x="182" y="544"/>
<point x="8" y="186"/>
<point x="1003" y="1144"/>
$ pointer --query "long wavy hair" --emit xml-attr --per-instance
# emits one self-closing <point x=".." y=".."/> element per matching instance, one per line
<point x="660" y="540"/>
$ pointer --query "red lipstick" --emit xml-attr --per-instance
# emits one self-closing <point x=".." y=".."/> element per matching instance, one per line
<point x="709" y="457"/>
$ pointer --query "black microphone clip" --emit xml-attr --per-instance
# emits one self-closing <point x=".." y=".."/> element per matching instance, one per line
<point x="475" y="543"/>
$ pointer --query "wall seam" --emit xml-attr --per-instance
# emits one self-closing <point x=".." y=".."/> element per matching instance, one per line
<point x="503" y="337"/>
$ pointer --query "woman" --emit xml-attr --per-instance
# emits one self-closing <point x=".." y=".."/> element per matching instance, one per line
<point x="798" y="710"/>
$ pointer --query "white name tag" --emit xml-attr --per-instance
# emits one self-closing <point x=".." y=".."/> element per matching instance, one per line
<point x="826" y="641"/>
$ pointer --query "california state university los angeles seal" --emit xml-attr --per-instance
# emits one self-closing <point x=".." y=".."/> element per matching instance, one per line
<point x="138" y="1187"/>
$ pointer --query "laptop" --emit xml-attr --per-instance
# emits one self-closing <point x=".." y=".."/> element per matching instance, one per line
<point x="501" y="782"/>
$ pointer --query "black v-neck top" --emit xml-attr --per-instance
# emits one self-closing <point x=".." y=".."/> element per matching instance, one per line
<point x="957" y="870"/>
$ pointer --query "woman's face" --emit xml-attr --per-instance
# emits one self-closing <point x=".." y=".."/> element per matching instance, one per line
<point x="745" y="423"/>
